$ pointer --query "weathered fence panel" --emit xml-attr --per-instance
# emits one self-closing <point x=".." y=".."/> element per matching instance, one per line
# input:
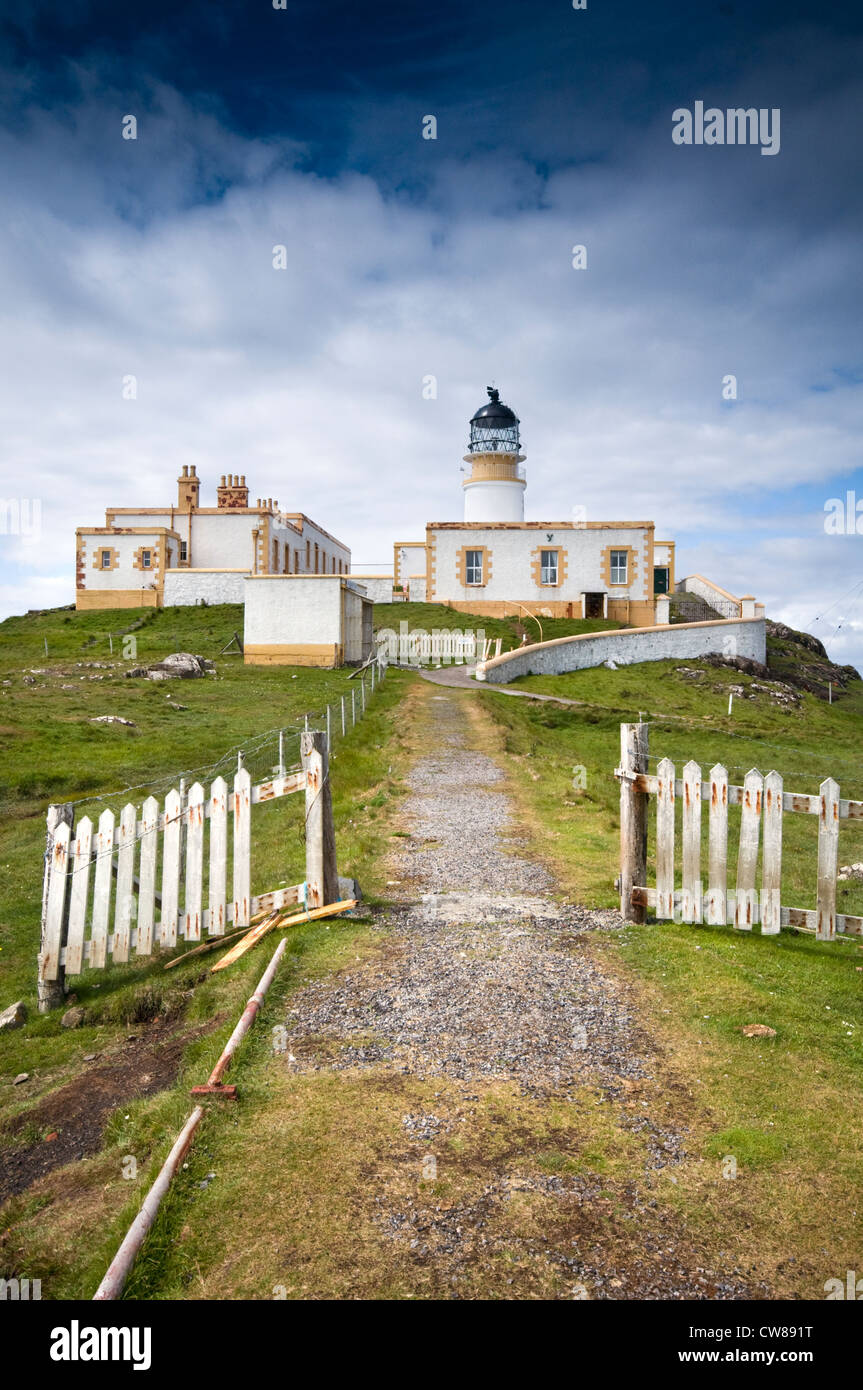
<point x="79" y="894"/>
<point x="665" y="839"/>
<point x="717" y="851"/>
<point x="692" y="843"/>
<point x="218" y="857"/>
<point x="171" y="870"/>
<point x="763" y="804"/>
<point x="746" y="906"/>
<point x="828" y="857"/>
<point x="147" y="884"/>
<point x="132" y="914"/>
<point x="771" y="868"/>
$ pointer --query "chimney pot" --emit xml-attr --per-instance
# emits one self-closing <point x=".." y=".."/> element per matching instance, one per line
<point x="222" y="483"/>
<point x="185" y="470"/>
<point x="243" y="480"/>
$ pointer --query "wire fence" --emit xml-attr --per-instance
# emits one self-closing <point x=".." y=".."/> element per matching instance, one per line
<point x="272" y="753"/>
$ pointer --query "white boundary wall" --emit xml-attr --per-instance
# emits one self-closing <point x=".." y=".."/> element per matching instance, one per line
<point x="745" y="637"/>
<point x="188" y="586"/>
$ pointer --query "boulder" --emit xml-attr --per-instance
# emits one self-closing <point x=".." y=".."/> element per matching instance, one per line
<point x="13" y="1017"/>
<point x="72" y="1018"/>
<point x="349" y="888"/>
<point x="177" y="666"/>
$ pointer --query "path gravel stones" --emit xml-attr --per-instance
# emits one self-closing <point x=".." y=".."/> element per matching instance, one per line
<point x="486" y="978"/>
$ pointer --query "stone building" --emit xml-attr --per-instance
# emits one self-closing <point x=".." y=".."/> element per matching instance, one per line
<point x="495" y="562"/>
<point x="185" y="552"/>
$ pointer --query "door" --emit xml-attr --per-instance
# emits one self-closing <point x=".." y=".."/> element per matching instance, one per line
<point x="593" y="605"/>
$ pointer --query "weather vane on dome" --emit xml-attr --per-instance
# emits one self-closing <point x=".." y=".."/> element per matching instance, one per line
<point x="493" y="394"/>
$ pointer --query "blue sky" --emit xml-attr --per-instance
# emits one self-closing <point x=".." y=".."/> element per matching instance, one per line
<point x="411" y="257"/>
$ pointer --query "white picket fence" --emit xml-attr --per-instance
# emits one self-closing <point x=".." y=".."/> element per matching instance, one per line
<point x="440" y="646"/>
<point x="764" y="802"/>
<point x="101" y="892"/>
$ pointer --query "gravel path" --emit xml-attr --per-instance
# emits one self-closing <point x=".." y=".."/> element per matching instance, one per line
<point x="486" y="978"/>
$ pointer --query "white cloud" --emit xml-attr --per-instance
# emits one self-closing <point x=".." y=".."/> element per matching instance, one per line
<point x="155" y="259"/>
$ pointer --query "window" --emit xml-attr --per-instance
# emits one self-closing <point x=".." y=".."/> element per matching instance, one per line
<point x="106" y="559"/>
<point x="275" y="557"/>
<point x="316" y="557"/>
<point x="473" y="567"/>
<point x="618" y="567"/>
<point x="308" y="555"/>
<point x="296" y="562"/>
<point x="548" y="567"/>
<point x="184" y="552"/>
<point x="146" y="558"/>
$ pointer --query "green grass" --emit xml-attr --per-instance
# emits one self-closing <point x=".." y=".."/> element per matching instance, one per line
<point x="51" y="752"/>
<point x="688" y="719"/>
<point x="787" y="1108"/>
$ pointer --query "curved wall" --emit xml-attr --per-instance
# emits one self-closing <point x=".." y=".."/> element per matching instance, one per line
<point x="745" y="637"/>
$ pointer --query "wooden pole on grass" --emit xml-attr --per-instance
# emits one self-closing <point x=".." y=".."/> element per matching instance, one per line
<point x="322" y="875"/>
<point x="633" y="819"/>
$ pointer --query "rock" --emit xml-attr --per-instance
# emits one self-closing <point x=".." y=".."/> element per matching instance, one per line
<point x="22" y="1076"/>
<point x="758" y="1030"/>
<point x="72" y="1018"/>
<point x="13" y="1017"/>
<point x="349" y="888"/>
<point x="612" y="665"/>
<point x="172" y="704"/>
<point x="112" y="719"/>
<point x="177" y="666"/>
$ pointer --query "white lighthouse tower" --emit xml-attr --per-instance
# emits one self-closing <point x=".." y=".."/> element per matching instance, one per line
<point x="494" y="488"/>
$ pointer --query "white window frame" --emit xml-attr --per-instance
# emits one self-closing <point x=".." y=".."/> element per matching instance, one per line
<point x="103" y="556"/>
<point x="614" y="568"/>
<point x="146" y="559"/>
<point x="472" y="568"/>
<point x="546" y="569"/>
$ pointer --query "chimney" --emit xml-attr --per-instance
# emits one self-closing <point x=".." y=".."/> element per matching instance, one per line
<point x="188" y="489"/>
<point x="232" y="493"/>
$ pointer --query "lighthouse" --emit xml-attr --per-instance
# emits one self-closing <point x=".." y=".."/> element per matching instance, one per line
<point x="494" y="487"/>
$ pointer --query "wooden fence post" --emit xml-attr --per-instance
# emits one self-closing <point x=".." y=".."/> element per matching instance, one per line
<point x="828" y="852"/>
<point x="633" y="819"/>
<point x="51" y="991"/>
<point x="321" y="873"/>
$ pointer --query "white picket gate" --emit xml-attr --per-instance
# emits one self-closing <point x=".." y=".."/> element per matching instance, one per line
<point x="101" y="895"/>
<point x="764" y="803"/>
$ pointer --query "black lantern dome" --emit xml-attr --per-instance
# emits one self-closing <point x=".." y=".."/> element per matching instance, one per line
<point x="494" y="427"/>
